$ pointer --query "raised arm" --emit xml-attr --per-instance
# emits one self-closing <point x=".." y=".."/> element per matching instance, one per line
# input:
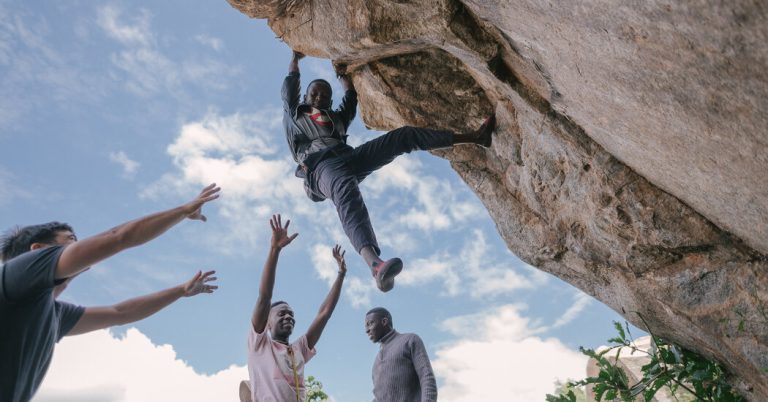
<point x="141" y="307"/>
<point x="280" y="239"/>
<point x="423" y="369"/>
<point x="329" y="304"/>
<point x="82" y="254"/>
<point x="291" y="84"/>
<point x="293" y="66"/>
<point x="348" y="107"/>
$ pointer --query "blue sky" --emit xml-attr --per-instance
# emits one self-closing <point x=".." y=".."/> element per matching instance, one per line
<point x="112" y="110"/>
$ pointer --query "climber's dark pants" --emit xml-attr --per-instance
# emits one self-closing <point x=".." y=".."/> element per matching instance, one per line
<point x="338" y="175"/>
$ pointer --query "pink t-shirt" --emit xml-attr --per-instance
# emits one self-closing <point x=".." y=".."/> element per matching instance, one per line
<point x="270" y="366"/>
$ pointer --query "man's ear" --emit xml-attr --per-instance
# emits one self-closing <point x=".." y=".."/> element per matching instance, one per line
<point x="36" y="246"/>
<point x="385" y="321"/>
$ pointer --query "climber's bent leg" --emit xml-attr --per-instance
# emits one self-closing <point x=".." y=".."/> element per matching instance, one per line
<point x="384" y="149"/>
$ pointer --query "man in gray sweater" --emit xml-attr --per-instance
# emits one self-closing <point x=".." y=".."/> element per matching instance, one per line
<point x="401" y="371"/>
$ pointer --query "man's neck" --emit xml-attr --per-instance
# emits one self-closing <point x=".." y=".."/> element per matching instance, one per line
<point x="283" y="340"/>
<point x="384" y="339"/>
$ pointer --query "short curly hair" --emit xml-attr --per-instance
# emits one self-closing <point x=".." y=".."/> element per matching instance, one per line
<point x="320" y="81"/>
<point x="381" y="312"/>
<point x="277" y="303"/>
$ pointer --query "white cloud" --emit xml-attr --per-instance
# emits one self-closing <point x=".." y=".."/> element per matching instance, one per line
<point x="147" y="69"/>
<point x="136" y="33"/>
<point x="427" y="271"/>
<point x="101" y="367"/>
<point x="10" y="191"/>
<point x="244" y="154"/>
<point x="438" y="205"/>
<point x="582" y="300"/>
<point x="359" y="291"/>
<point x="34" y="70"/>
<point x="356" y="291"/>
<point x="473" y="271"/>
<point x="324" y="263"/>
<point x="130" y="166"/>
<point x="239" y="152"/>
<point x="436" y="268"/>
<point x="207" y="40"/>
<point x="499" y="357"/>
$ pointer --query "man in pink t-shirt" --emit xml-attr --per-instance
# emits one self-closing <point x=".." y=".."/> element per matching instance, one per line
<point x="276" y="366"/>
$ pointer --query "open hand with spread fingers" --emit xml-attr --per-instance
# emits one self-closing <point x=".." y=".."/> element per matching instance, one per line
<point x="200" y="283"/>
<point x="338" y="255"/>
<point x="280" y="237"/>
<point x="194" y="208"/>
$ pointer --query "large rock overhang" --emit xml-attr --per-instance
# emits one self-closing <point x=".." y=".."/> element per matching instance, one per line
<point x="632" y="147"/>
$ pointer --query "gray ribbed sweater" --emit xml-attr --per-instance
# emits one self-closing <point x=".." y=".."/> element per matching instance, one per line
<point x="402" y="372"/>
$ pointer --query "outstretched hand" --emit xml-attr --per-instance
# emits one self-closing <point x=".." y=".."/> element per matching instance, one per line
<point x="341" y="74"/>
<point x="194" y="208"/>
<point x="338" y="255"/>
<point x="340" y="69"/>
<point x="280" y="237"/>
<point x="293" y="66"/>
<point x="199" y="284"/>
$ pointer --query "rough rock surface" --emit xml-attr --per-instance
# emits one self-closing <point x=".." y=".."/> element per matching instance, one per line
<point x="632" y="148"/>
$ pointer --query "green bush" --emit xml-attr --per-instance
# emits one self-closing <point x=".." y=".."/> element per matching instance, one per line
<point x="686" y="374"/>
<point x="315" y="391"/>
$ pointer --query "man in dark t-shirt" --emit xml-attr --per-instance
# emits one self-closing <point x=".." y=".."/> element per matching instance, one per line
<point x="32" y="321"/>
<point x="37" y="263"/>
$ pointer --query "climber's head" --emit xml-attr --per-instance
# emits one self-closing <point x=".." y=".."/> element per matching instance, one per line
<point x="319" y="94"/>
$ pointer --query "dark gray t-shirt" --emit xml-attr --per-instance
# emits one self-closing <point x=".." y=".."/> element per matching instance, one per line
<point x="31" y="321"/>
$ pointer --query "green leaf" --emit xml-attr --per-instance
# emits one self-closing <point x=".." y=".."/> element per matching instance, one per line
<point x="652" y="367"/>
<point x="670" y="366"/>
<point x="661" y="381"/>
<point x="700" y="375"/>
<point x="569" y="397"/>
<point x="616" y="340"/>
<point x="624" y="381"/>
<point x="676" y="353"/>
<point x="620" y="330"/>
